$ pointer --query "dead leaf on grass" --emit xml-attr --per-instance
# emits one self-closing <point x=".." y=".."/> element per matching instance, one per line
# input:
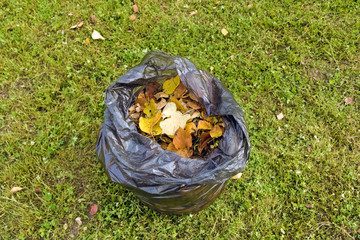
<point x="224" y="32"/>
<point x="349" y="100"/>
<point x="93" y="209"/>
<point x="16" y="189"/>
<point x="280" y="116"/>
<point x="96" y="35"/>
<point x="132" y="17"/>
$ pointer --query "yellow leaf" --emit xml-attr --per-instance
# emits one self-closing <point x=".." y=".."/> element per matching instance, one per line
<point x="190" y="127"/>
<point x="171" y="84"/>
<point x="202" y="124"/>
<point x="178" y="104"/>
<point x="224" y="32"/>
<point x="150" y="108"/>
<point x="237" y="176"/>
<point x="216" y="131"/>
<point x="151" y="125"/>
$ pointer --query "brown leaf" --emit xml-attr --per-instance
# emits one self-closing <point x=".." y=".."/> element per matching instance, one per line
<point x="135" y="116"/>
<point x="151" y="88"/>
<point x="250" y="5"/>
<point x="182" y="139"/>
<point x="195" y="114"/>
<point x="179" y="91"/>
<point x="165" y="139"/>
<point x="193" y="105"/>
<point x="79" y="25"/>
<point x="186" y="153"/>
<point x="161" y="95"/>
<point x="141" y="102"/>
<point x="138" y="107"/>
<point x="161" y="104"/>
<point x="93" y="209"/>
<point x="131" y="109"/>
<point x="216" y="131"/>
<point x="193" y="97"/>
<point x="15" y="189"/>
<point x="349" y="100"/>
<point x="132" y="17"/>
<point x="280" y="116"/>
<point x="204" y="139"/>
<point x="135" y="8"/>
<point x="37" y="190"/>
<point x="93" y="19"/>
<point x="309" y="148"/>
<point x="205" y="125"/>
<point x="171" y="147"/>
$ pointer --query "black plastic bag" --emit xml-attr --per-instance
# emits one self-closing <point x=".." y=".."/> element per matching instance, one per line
<point x="162" y="179"/>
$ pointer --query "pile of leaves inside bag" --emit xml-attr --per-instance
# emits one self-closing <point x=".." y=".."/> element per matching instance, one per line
<point x="172" y="134"/>
<point x="174" y="118"/>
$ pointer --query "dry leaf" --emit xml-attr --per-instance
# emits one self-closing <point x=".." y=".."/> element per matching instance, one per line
<point x="195" y="114"/>
<point x="171" y="147"/>
<point x="186" y="153"/>
<point x="217" y="2"/>
<point x="204" y="139"/>
<point x="161" y="95"/>
<point x="211" y="68"/>
<point x="237" y="176"/>
<point x="179" y="105"/>
<point x="15" y="189"/>
<point x="175" y="119"/>
<point x="150" y="108"/>
<point x="132" y="17"/>
<point x="205" y="125"/>
<point x="170" y="85"/>
<point x="309" y="148"/>
<point x="79" y="25"/>
<point x="151" y="125"/>
<point x="182" y="139"/>
<point x="224" y="32"/>
<point x="135" y="116"/>
<point x="193" y="97"/>
<point x="250" y="5"/>
<point x="161" y="104"/>
<point x="190" y="127"/>
<point x="349" y="100"/>
<point x="193" y="105"/>
<point x="280" y="116"/>
<point x="179" y="91"/>
<point x="93" y="19"/>
<point x="216" y="131"/>
<point x="96" y="35"/>
<point x="309" y="206"/>
<point x="135" y="8"/>
<point x="87" y="41"/>
<point x="150" y="89"/>
<point x="93" y="209"/>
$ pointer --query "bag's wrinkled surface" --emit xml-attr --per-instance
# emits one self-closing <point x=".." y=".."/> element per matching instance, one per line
<point x="160" y="178"/>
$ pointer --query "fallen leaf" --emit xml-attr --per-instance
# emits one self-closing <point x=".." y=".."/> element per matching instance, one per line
<point x="150" y="108"/>
<point x="250" y="5"/>
<point x="161" y="95"/>
<point x="186" y="153"/>
<point x="193" y="105"/>
<point x="170" y="85"/>
<point x="78" y="220"/>
<point x="151" y="125"/>
<point x="135" y="8"/>
<point x="216" y="131"/>
<point x="161" y="104"/>
<point x="179" y="91"/>
<point x="93" y="19"/>
<point x="309" y="206"/>
<point x="195" y="114"/>
<point x="190" y="127"/>
<point x="37" y="190"/>
<point x="217" y="2"/>
<point x="135" y="116"/>
<point x="280" y="116"/>
<point x="349" y="100"/>
<point x="224" y="32"/>
<point x="237" y="176"/>
<point x="211" y="68"/>
<point x="175" y="119"/>
<point x="179" y="105"/>
<point x="150" y="89"/>
<point x="70" y="14"/>
<point x="193" y="97"/>
<point x="171" y="147"/>
<point x="182" y="139"/>
<point x="309" y="148"/>
<point x="137" y="107"/>
<point x="93" y="209"/>
<point x="132" y="17"/>
<point x="96" y="35"/>
<point x="15" y="189"/>
<point x="204" y="139"/>
<point x="87" y="41"/>
<point x="205" y="125"/>
<point x="79" y="25"/>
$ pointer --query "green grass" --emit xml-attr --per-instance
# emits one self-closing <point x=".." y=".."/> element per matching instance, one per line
<point x="296" y="57"/>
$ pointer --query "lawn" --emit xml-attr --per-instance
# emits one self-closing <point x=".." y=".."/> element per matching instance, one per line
<point x="298" y="58"/>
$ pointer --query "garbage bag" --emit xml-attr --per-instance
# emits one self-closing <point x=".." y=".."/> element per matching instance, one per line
<point x="162" y="179"/>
